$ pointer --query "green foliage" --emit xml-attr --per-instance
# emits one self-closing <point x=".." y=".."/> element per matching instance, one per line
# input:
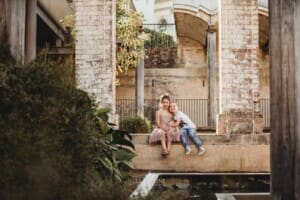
<point x="136" y="124"/>
<point x="131" y="37"/>
<point x="118" y="145"/>
<point x="54" y="143"/>
<point x="158" y="39"/>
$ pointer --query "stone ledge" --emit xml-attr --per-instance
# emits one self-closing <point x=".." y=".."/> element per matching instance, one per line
<point x="218" y="158"/>
<point x="213" y="139"/>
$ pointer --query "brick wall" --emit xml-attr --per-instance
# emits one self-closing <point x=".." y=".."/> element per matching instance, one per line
<point x="95" y="49"/>
<point x="239" y="73"/>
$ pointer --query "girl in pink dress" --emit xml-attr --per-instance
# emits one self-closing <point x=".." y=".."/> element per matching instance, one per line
<point x="163" y="131"/>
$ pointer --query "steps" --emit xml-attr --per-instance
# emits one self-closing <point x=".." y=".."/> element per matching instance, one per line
<point x="239" y="153"/>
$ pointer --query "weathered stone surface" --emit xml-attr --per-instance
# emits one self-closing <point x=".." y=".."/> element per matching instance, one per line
<point x="213" y="139"/>
<point x="191" y="53"/>
<point x="239" y="121"/>
<point x="239" y="73"/>
<point x="237" y="153"/>
<point x="176" y="82"/>
<point x="16" y="18"/>
<point x="217" y="158"/>
<point x="95" y="50"/>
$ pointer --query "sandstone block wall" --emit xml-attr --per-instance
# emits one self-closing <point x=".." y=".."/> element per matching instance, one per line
<point x="191" y="53"/>
<point x="95" y="49"/>
<point x="180" y="83"/>
<point x="13" y="21"/>
<point x="239" y="72"/>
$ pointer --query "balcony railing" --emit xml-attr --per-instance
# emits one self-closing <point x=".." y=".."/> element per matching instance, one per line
<point x="196" y="109"/>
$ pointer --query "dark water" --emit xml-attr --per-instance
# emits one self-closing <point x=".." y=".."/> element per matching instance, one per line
<point x="205" y="186"/>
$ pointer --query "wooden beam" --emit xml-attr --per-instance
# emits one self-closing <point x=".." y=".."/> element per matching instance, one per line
<point x="285" y="95"/>
<point x="297" y="88"/>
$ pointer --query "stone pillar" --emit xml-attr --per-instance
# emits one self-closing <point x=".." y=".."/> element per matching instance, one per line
<point x="212" y="77"/>
<point x="3" y="20"/>
<point x="239" y="75"/>
<point x="16" y="29"/>
<point x="95" y="50"/>
<point x="139" y="90"/>
<point x="31" y="28"/>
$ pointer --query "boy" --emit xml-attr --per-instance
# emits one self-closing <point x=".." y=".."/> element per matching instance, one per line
<point x="188" y="128"/>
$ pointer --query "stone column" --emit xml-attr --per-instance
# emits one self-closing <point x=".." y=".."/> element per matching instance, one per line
<point x="212" y="76"/>
<point x="95" y="50"/>
<point x="139" y="90"/>
<point x="239" y="75"/>
<point x="31" y="28"/>
<point x="3" y="21"/>
<point x="16" y="29"/>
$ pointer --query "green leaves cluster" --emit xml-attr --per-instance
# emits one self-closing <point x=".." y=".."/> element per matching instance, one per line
<point x="119" y="148"/>
<point x="129" y="33"/>
<point x="159" y="40"/>
<point x="54" y="142"/>
<point x="136" y="124"/>
<point x="130" y="36"/>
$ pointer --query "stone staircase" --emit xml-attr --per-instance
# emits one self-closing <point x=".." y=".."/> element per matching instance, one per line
<point x="237" y="153"/>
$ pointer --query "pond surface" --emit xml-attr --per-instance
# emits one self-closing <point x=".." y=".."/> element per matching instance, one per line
<point x="206" y="186"/>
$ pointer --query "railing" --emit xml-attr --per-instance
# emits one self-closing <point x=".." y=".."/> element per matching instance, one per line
<point x="264" y="105"/>
<point x="196" y="109"/>
<point x="161" y="35"/>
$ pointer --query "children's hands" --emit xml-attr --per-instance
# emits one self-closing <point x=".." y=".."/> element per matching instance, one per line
<point x="172" y="123"/>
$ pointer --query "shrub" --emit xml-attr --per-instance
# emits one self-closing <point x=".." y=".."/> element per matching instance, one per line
<point x="159" y="39"/>
<point x="54" y="143"/>
<point x="136" y="124"/>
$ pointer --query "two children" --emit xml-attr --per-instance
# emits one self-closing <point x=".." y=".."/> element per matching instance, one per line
<point x="168" y="120"/>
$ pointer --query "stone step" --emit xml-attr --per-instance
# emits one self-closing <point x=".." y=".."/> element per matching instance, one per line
<point x="211" y="138"/>
<point x="222" y="155"/>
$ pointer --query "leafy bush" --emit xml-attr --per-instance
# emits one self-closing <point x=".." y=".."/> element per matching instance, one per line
<point x="158" y="39"/>
<point x="136" y="124"/>
<point x="54" y="143"/>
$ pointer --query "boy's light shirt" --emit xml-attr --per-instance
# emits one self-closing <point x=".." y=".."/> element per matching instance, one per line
<point x="181" y="116"/>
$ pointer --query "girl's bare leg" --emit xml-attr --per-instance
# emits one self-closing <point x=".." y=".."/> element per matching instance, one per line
<point x="169" y="142"/>
<point x="163" y="143"/>
<point x="169" y="146"/>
